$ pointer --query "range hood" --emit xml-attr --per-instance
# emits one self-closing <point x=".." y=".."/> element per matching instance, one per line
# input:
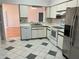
<point x="60" y="14"/>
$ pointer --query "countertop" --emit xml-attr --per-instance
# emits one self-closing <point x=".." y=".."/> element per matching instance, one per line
<point x="43" y="25"/>
<point x="61" y="30"/>
<point x="25" y="25"/>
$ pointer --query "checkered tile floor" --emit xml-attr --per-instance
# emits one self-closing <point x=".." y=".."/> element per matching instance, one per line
<point x="32" y="49"/>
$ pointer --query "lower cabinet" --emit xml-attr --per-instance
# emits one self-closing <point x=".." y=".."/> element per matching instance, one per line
<point x="48" y="33"/>
<point x="34" y="33"/>
<point x="60" y="41"/>
<point x="39" y="32"/>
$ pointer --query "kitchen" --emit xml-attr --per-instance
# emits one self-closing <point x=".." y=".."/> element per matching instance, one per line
<point x="36" y="29"/>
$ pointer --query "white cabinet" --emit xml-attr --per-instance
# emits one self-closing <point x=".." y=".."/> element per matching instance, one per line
<point x="51" y="12"/>
<point x="48" y="33"/>
<point x="23" y="11"/>
<point x="42" y="32"/>
<point x="34" y="33"/>
<point x="26" y="32"/>
<point x="61" y="7"/>
<point x="60" y="40"/>
<point x="39" y="32"/>
<point x="48" y="12"/>
<point x="72" y="3"/>
<point x="58" y="2"/>
<point x="78" y="3"/>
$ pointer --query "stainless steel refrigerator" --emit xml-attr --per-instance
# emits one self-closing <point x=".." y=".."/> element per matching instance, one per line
<point x="71" y="34"/>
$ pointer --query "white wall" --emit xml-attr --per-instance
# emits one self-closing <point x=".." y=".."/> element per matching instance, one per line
<point x="0" y="1"/>
<point x="29" y="2"/>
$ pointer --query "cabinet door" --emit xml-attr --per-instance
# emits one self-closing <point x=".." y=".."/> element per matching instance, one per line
<point x="23" y="11"/>
<point x="43" y="32"/>
<point x="60" y="41"/>
<point x="78" y="3"/>
<point x="39" y="33"/>
<point x="72" y="3"/>
<point x="48" y="12"/>
<point x="34" y="34"/>
<point x="48" y="33"/>
<point x="53" y="12"/>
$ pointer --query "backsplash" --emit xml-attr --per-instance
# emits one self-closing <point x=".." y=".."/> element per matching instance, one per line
<point x="23" y="20"/>
<point x="54" y="21"/>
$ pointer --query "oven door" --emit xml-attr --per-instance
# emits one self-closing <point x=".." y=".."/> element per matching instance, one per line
<point x="54" y="34"/>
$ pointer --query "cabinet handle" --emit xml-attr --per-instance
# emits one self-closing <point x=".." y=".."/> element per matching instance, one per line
<point x="25" y="28"/>
<point x="37" y="29"/>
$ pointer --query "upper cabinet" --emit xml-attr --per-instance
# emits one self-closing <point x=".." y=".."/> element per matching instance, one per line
<point x="72" y="3"/>
<point x="78" y="3"/>
<point x="51" y="12"/>
<point x="55" y="2"/>
<point x="48" y="12"/>
<point x="23" y="11"/>
<point x="61" y="7"/>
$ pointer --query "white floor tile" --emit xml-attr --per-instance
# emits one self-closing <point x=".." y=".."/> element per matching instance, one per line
<point x="49" y="57"/>
<point x="19" y="57"/>
<point x="21" y="52"/>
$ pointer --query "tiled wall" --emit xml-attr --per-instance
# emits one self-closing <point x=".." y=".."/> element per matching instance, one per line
<point x="53" y="21"/>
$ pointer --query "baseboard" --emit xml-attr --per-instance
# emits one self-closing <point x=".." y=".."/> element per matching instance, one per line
<point x="59" y="48"/>
<point x="65" y="56"/>
<point x="51" y="42"/>
<point x="33" y="39"/>
<point x="13" y="38"/>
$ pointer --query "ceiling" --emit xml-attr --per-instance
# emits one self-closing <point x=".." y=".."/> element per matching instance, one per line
<point x="34" y="2"/>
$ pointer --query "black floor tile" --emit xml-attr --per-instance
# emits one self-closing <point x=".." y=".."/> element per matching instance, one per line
<point x="52" y="53"/>
<point x="6" y="58"/>
<point x="9" y="48"/>
<point x="44" y="43"/>
<point x="12" y="41"/>
<point x="28" y="45"/>
<point x="31" y="56"/>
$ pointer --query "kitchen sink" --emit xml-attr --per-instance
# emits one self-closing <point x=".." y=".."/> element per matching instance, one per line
<point x="36" y="25"/>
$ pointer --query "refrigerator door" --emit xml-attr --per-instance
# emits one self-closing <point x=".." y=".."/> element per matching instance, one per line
<point x="74" y="53"/>
<point x="70" y="16"/>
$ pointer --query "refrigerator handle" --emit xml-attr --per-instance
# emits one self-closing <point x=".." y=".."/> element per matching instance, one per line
<point x="73" y="29"/>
